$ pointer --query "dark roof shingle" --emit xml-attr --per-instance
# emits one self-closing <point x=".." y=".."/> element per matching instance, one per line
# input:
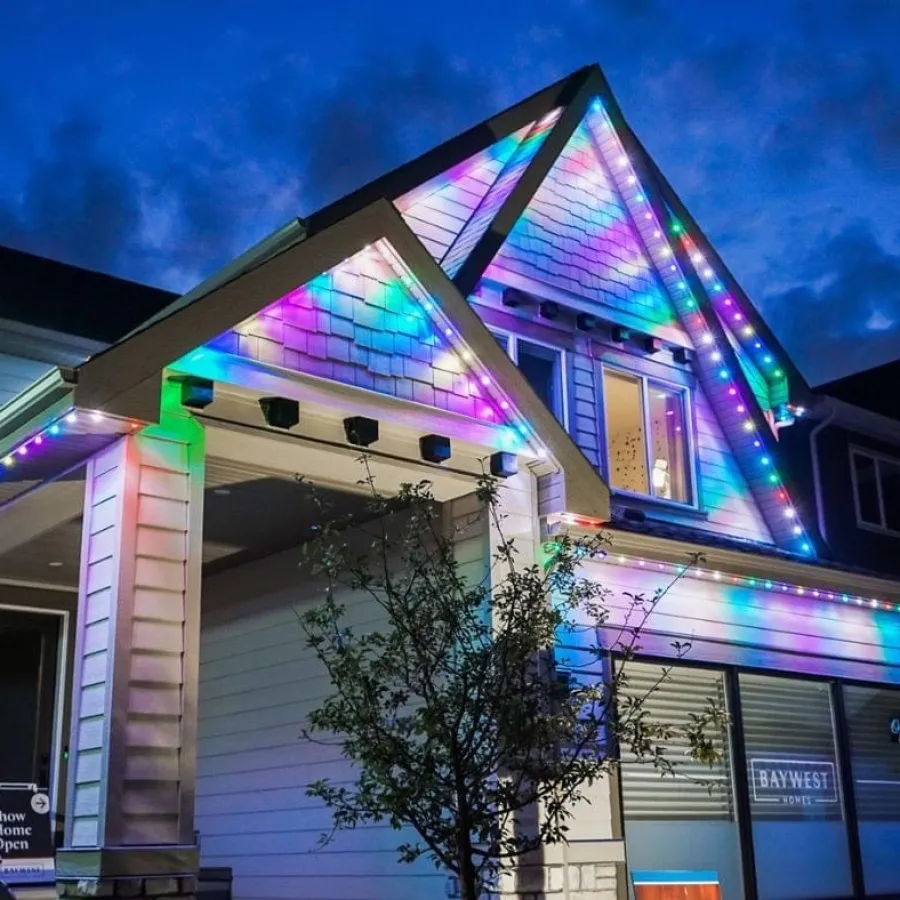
<point x="48" y="294"/>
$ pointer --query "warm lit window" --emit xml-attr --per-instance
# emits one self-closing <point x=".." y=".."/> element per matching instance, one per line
<point x="542" y="367"/>
<point x="876" y="485"/>
<point x="647" y="437"/>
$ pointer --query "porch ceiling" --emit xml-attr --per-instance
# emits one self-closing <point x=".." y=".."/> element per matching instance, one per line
<point x="249" y="513"/>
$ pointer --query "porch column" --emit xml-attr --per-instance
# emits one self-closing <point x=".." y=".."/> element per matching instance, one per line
<point x="591" y="865"/>
<point x="129" y="826"/>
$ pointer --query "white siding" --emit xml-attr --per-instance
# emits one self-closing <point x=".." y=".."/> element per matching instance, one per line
<point x="724" y="492"/>
<point x="742" y="626"/>
<point x="258" y="682"/>
<point x="137" y="628"/>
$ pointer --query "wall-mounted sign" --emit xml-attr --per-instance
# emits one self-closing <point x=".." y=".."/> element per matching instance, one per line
<point x="795" y="782"/>
<point x="894" y="726"/>
<point x="26" y="843"/>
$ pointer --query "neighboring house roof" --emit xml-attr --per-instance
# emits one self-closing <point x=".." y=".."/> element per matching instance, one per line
<point x="70" y="300"/>
<point x="873" y="389"/>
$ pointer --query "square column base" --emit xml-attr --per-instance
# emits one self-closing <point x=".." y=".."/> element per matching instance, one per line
<point x="143" y="873"/>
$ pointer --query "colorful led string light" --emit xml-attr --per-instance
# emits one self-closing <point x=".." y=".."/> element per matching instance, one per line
<point x="735" y="320"/>
<point x="496" y="406"/>
<point x="54" y="430"/>
<point x="657" y="241"/>
<point x="419" y="317"/>
<point x="760" y="584"/>
<point x="694" y="571"/>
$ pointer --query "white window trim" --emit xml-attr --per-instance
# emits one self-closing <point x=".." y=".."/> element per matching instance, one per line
<point x="512" y="351"/>
<point x="693" y="494"/>
<point x="876" y="458"/>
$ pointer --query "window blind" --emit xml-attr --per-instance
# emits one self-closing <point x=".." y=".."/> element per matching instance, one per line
<point x="695" y="791"/>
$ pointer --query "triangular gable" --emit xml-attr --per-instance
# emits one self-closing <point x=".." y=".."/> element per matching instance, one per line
<point x="595" y="226"/>
<point x="506" y="182"/>
<point x="369" y="323"/>
<point x="576" y="236"/>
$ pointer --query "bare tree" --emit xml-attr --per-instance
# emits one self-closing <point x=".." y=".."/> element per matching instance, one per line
<point x="462" y="723"/>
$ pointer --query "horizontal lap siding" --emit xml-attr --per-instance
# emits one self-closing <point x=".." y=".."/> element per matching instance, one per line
<point x="438" y="210"/>
<point x="738" y="625"/>
<point x="16" y="374"/>
<point x="576" y="237"/>
<point x="724" y="492"/>
<point x="258" y="682"/>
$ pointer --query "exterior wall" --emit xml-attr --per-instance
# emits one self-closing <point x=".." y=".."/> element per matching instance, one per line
<point x="17" y="373"/>
<point x="438" y="210"/>
<point x="725" y="498"/>
<point x="758" y="628"/>
<point x="450" y="213"/>
<point x="257" y="683"/>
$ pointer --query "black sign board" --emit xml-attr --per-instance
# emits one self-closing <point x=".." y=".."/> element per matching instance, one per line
<point x="26" y="841"/>
<point x="894" y="727"/>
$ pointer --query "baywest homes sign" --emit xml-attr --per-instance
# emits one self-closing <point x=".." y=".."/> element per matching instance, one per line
<point x="795" y="782"/>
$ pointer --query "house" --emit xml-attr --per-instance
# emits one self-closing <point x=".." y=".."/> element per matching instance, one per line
<point x="847" y="452"/>
<point x="534" y="288"/>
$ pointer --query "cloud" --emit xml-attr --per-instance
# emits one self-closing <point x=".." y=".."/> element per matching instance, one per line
<point x="196" y="201"/>
<point x="76" y="205"/>
<point x="845" y="315"/>
<point x="376" y="115"/>
<point x="814" y="91"/>
<point x="849" y="114"/>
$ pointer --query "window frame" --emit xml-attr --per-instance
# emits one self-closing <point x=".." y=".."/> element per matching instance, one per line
<point x="876" y="458"/>
<point x="512" y="351"/>
<point x="691" y="474"/>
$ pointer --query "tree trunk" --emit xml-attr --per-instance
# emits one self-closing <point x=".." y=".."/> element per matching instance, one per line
<point x="470" y="889"/>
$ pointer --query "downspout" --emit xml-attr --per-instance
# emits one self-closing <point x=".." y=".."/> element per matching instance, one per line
<point x="817" y="477"/>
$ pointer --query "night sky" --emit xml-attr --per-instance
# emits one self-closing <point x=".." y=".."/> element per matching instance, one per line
<point x="156" y="139"/>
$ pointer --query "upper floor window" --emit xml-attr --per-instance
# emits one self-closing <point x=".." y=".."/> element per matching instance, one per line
<point x="542" y="367"/>
<point x="876" y="486"/>
<point x="647" y="439"/>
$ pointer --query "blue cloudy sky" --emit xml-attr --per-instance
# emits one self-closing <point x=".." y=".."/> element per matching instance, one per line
<point x="155" y="139"/>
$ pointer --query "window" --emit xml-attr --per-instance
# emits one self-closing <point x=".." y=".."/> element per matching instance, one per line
<point x="542" y="367"/>
<point x="796" y="808"/>
<point x="875" y="760"/>
<point x="777" y="798"/>
<point x="876" y="484"/>
<point x="647" y="436"/>
<point x="685" y="821"/>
